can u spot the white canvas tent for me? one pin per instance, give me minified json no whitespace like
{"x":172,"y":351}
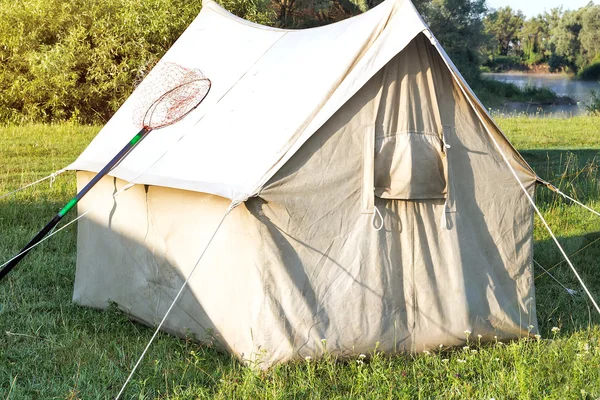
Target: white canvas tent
{"x":370,"y":197}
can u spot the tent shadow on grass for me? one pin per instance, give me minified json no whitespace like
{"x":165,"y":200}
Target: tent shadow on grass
{"x":555,"y":307}
{"x":43,"y":331}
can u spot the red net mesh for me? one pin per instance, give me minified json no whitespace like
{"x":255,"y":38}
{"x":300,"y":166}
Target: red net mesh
{"x":168,"y":94}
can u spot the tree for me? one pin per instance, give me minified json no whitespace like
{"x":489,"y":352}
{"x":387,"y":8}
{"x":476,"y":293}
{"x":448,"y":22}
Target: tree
{"x":590,"y":33}
{"x":504,"y":25}
{"x":565,"y":38}
{"x":458,"y":25}
{"x":534,"y":38}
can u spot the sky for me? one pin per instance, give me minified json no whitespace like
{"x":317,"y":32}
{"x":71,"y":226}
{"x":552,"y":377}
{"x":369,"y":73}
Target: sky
{"x":534,"y":7}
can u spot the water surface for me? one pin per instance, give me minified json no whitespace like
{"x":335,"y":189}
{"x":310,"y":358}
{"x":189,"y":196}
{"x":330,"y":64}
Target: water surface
{"x":561,"y":84}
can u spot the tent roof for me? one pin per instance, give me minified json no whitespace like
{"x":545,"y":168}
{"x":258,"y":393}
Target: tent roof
{"x":272,"y":89}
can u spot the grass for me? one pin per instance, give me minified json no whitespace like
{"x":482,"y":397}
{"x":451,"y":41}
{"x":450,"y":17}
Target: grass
{"x":51,"y":348}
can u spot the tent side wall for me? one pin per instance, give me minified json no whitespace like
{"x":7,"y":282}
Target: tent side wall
{"x":413,"y":284}
{"x":136,"y":250}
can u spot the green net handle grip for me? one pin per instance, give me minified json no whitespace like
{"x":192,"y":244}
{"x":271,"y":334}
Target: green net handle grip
{"x":73,"y":202}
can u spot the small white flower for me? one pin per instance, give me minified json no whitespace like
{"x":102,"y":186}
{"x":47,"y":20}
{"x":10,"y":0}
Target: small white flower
{"x":479,"y":337}
{"x":530,"y":327}
{"x":460,"y":360}
{"x":496,"y":359}
{"x":426,"y":352}
{"x":538,"y":337}
{"x":467,"y":332}
{"x":362,"y":356}
{"x":360,"y":362}
{"x":474,"y":351}
{"x":445,"y":360}
{"x":308,"y":358}
{"x":555,"y":329}
{"x":466,"y":348}
{"x":441,"y":346}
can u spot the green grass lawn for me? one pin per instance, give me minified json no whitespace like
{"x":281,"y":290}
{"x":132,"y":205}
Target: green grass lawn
{"x":51,"y":348}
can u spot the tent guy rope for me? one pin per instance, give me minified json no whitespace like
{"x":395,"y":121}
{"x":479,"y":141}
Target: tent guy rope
{"x":569,"y":291}
{"x":556,"y":190}
{"x":187,"y":279}
{"x":52,"y":177}
{"x":27,"y":249}
{"x":514,"y":173}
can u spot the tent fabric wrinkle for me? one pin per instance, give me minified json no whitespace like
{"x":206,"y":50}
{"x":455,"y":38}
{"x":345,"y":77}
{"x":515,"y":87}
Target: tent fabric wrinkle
{"x":372,"y":198}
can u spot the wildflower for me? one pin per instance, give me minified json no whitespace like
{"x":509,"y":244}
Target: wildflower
{"x":426,"y":352}
{"x":479,"y":337}
{"x":538,"y":337}
{"x":308,"y":358}
{"x":441,"y":346}
{"x":467,"y":333}
{"x":445,"y":360}
{"x":360,"y":362}
{"x":362,"y":356}
{"x":474,"y":351}
{"x":530,"y":328}
{"x":324,"y":342}
{"x":466,"y":348}
{"x":555,"y":329}
{"x":460,"y":360}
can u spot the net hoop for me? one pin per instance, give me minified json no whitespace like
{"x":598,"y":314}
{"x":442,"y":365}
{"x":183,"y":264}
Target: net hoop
{"x":168,"y":94}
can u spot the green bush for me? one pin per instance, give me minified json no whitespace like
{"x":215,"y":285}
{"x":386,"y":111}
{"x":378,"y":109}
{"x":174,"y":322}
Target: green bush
{"x":504,"y":63}
{"x":492,"y":91}
{"x":590,"y":73}
{"x":593,"y":107}
{"x":78,"y":60}
{"x":557,"y":63}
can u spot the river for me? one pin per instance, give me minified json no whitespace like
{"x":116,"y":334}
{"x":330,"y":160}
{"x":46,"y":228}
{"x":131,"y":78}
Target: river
{"x":560,"y":84}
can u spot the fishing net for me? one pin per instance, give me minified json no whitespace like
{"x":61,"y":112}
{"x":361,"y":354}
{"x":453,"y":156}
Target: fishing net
{"x":168,"y":94}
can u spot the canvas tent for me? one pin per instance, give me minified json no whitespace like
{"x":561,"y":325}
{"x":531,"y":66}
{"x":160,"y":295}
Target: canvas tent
{"x":368,"y":197}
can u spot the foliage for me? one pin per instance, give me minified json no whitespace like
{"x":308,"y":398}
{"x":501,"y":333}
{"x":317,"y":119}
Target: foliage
{"x":58,"y":63}
{"x":78,"y":60}
{"x":503,"y":63}
{"x":590,"y":32}
{"x":594,"y":106}
{"x":489,"y":90}
{"x":533,"y":39}
{"x":504,"y":25}
{"x":458,"y":25}
{"x":557,"y":63}
{"x":566,"y":40}
{"x":51,"y":348}
{"x":590,"y":73}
